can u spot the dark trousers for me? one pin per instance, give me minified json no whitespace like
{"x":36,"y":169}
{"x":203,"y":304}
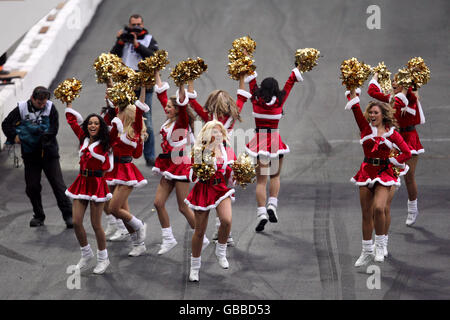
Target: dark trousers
{"x":52,"y":170}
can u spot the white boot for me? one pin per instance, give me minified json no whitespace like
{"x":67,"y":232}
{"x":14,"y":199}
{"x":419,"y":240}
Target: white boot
{"x":138,"y":247}
{"x":102,"y":262}
{"x":168,"y":241}
{"x":412,"y":213}
{"x":379,"y":251}
{"x":86,"y":257}
{"x":195,"y":268}
{"x":366,"y":253}
{"x":221,"y":254}
{"x":272,"y":209}
{"x":121,"y":233}
{"x":261,"y":219}
{"x":205,"y":242}
{"x":385,"y":245}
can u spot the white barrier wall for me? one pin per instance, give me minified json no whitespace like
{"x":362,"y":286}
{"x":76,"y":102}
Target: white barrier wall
{"x":42,"y":54}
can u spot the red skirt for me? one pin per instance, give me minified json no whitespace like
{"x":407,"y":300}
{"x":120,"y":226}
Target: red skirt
{"x":206,"y":196}
{"x":412,"y":140}
{"x":89,"y":188}
{"x":125,"y":174}
{"x":173,"y":171}
{"x":369,"y":174}
{"x":267,"y":144}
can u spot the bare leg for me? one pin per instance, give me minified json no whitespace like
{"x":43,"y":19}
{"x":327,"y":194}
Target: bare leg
{"x":118,"y":201}
{"x":366,"y":199}
{"x":78,"y":211}
{"x":225,"y":214}
{"x":410,"y":178}
{"x":381,"y":195}
{"x":96,"y":221}
{"x":201,"y":222}
{"x":182,"y":191}
{"x":274,"y":185}
{"x":163,"y":191}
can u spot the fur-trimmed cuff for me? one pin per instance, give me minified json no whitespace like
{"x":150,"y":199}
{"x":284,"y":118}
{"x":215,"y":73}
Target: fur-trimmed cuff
{"x":375,"y":82}
{"x":165,"y":86}
{"x":144,"y":107}
{"x":351,"y":103}
{"x":298,"y":75}
{"x":244,"y":93}
{"x":111,"y":161}
{"x":110,"y":103}
{"x":186,"y":98}
{"x":76,"y":114}
{"x":192,"y":95}
{"x":402,"y":97}
{"x":409,"y":110}
{"x":396,"y":163}
{"x":358,"y":92}
{"x":118,"y":123}
{"x":249,"y":78}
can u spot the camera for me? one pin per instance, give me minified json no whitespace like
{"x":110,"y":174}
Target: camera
{"x":127,"y":35}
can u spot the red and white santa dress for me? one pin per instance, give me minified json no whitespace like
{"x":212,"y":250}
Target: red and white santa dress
{"x":377,"y":165}
{"x":174,"y":161}
{"x":408,"y":112}
{"x":267,"y":140}
{"x":207,"y":195}
{"x":125,"y":149}
{"x":90,"y":183}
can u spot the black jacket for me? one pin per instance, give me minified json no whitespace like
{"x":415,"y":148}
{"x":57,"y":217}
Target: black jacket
{"x":48,"y":147}
{"x":142,"y":50}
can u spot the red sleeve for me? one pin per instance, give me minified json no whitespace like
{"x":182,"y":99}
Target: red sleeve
{"x":405,"y":151}
{"x":253,"y":86}
{"x":376,"y":93}
{"x":137,"y":152}
{"x":182,"y":119}
{"x":359,"y":116}
{"x":73,"y":117}
{"x":288,"y":85}
{"x":107,"y":164}
{"x":137,"y":124}
{"x":412,"y":99}
{"x":199,"y":110}
{"x":242,"y":97}
{"x":162,"y":97}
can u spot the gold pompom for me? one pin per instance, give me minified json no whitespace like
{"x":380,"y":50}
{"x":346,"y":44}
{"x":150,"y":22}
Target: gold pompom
{"x":121,"y":95}
{"x":394,"y":153}
{"x":203,"y":163}
{"x":240,"y":57}
{"x":354,"y":73}
{"x":244,"y":172}
{"x":189,"y":69}
{"x":404,"y":78}
{"x":150,"y":65}
{"x":241,"y":65}
{"x":384,"y":77}
{"x":106,"y":65}
{"x":244,"y":43}
{"x":68,"y":90}
{"x":306,"y":58}
{"x":420,"y":73}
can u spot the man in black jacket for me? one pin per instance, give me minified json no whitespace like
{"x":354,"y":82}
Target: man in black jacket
{"x":34,"y":125}
{"x":134,"y":44}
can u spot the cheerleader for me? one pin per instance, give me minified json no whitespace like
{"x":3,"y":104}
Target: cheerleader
{"x":90,"y":186}
{"x":376,"y":177}
{"x":222,"y":107}
{"x":127,"y":135}
{"x":409,"y":113}
{"x":267,"y":145}
{"x":212,"y":194}
{"x":173,"y":164}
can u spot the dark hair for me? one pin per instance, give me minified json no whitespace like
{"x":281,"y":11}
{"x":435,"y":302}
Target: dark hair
{"x":136,"y":16}
{"x":40,"y":93}
{"x":268,"y":89}
{"x":103,"y":132}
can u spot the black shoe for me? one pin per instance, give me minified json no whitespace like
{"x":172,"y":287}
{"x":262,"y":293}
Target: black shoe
{"x":69,"y":223}
{"x":35,"y":222}
{"x":150,"y":162}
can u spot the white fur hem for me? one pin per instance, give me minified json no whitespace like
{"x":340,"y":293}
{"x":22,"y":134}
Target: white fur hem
{"x":267,"y":153}
{"x":244,"y":93}
{"x":165,"y":86}
{"x":131,"y":183}
{"x":351,"y":103}
{"x":89,"y":198}
{"x":249,"y":78}
{"x":168,"y":175}
{"x":409,"y":110}
{"x":396,"y":163}
{"x":298,"y":75}
{"x":402,"y":97}
{"x":212,"y":206}
{"x":370,"y":183}
{"x":418,"y":151}
{"x":76,"y":114}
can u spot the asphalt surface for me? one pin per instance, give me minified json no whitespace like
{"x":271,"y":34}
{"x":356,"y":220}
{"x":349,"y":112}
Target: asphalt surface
{"x":310,"y":252}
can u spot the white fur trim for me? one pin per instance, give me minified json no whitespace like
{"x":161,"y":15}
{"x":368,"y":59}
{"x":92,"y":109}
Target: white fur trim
{"x":267,"y":153}
{"x":118,"y":123}
{"x":165,"y":86}
{"x":298,"y":75}
{"x":84,"y":146}
{"x":375,"y":134}
{"x":228,"y":123}
{"x":244,"y":93}
{"x":89,"y":198}
{"x":192,"y":95}
{"x":143,"y":106}
{"x":358,"y":91}
{"x":267,"y":116}
{"x":396,"y":163}
{"x":422,"y":116}
{"x":94,"y":154}
{"x":351,"y":103}
{"x":186,"y":98}
{"x":212,"y":206}
{"x":110,"y":103}
{"x":76,"y":114}
{"x":127,"y":141}
{"x":417,"y":151}
{"x":111,"y":162}
{"x":249,"y":78}
{"x":404,"y":171}
{"x":370,"y":182}
{"x":409,"y":110}
{"x":271,"y":102}
{"x":191,"y":174}
{"x":402,"y":97}
{"x":375,"y":82}
{"x":131,"y":183}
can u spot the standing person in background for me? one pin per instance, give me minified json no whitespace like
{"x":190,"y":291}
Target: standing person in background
{"x":34,"y":125}
{"x":134,"y":43}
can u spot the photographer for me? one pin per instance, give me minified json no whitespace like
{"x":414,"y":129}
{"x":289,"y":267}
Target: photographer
{"x":34,"y":125}
{"x":134,"y":44}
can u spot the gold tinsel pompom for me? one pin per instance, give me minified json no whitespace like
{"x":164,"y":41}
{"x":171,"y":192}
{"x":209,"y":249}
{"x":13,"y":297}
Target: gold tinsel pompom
{"x":354,"y":73}
{"x":189,"y":69}
{"x":241,"y":65}
{"x":244,"y":43}
{"x":384,"y":76}
{"x":68,"y":90}
{"x":203,"y":163}
{"x":150,"y":65}
{"x":240,"y":57}
{"x":106,"y":65}
{"x":244,"y":172}
{"x":394,"y":153}
{"x":306,"y":58}
{"x":420,"y":73}
{"x":121,"y":95}
{"x":404,"y":78}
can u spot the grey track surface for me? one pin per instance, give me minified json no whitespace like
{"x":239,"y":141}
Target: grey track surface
{"x":310,"y":253}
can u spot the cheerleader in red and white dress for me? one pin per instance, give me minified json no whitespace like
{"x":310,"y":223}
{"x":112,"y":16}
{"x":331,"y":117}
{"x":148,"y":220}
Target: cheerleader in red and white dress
{"x":212,"y":194}
{"x":408,"y":113}
{"x":173,"y":163}
{"x":376,"y":177}
{"x":127,"y":134}
{"x":90,"y":186}
{"x":222,"y":107}
{"x":266,"y":145}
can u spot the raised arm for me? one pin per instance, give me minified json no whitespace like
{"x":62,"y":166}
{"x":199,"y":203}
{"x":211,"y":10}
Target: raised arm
{"x":374,"y":90}
{"x":353,"y":104}
{"x":295,"y":76}
{"x":242,"y":94}
{"x":192,"y":95}
{"x":74,"y":119}
{"x":161,"y":90}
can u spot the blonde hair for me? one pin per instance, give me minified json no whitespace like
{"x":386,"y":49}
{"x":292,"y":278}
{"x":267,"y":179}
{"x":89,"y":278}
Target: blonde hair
{"x":386,"y":110}
{"x":220,"y":104}
{"x":190,"y":113}
{"x":130,"y":117}
{"x":205,"y":135}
